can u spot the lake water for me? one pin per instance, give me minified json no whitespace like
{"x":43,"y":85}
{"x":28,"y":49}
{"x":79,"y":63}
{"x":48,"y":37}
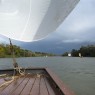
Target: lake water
{"x":77,"y":73}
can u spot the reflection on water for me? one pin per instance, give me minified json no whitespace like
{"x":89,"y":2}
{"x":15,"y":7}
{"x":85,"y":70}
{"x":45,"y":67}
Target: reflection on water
{"x":77,"y":73}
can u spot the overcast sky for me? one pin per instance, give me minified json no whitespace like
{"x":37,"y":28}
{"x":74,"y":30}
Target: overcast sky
{"x":79,"y":25}
{"x":78,"y":28}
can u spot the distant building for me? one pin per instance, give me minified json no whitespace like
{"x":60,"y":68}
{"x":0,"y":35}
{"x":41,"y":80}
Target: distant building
{"x":80,"y":55}
{"x":69,"y":54}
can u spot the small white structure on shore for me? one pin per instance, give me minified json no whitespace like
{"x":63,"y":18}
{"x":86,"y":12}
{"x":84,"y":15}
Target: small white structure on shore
{"x":69,"y":54}
{"x":80,"y":55}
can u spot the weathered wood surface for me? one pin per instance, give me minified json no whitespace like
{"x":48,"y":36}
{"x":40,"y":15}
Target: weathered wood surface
{"x":38,"y":81}
{"x":27,"y":85}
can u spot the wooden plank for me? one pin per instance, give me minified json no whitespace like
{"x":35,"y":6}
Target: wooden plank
{"x":20,"y":87}
{"x":1,"y":82}
{"x":36,"y":87}
{"x":43,"y":88}
{"x":28,"y":87}
{"x":11,"y":87}
{"x":50,"y":89}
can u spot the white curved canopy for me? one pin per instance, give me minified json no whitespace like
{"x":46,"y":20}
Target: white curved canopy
{"x":29,"y":20}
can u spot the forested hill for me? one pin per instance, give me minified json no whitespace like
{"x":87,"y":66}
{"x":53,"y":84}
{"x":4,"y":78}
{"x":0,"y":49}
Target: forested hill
{"x":86,"y":51}
{"x":19,"y":52}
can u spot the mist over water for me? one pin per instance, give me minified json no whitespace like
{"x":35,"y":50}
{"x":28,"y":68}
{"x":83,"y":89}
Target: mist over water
{"x":77,"y":73}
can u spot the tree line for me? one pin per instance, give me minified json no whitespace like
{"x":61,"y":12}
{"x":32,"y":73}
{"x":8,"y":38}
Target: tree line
{"x":5,"y":51}
{"x":85,"y":51}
